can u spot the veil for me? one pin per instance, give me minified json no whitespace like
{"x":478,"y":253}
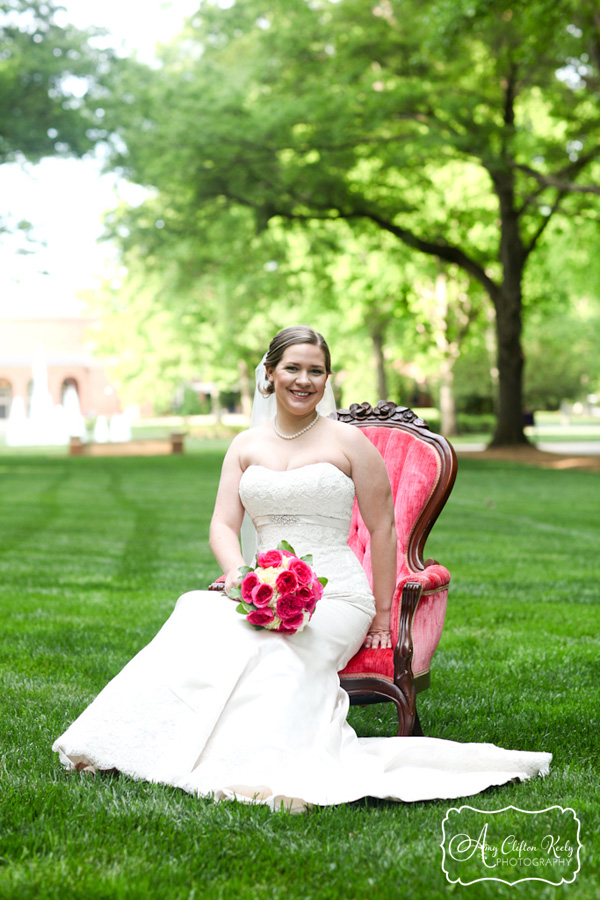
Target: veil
{"x":264,"y":409}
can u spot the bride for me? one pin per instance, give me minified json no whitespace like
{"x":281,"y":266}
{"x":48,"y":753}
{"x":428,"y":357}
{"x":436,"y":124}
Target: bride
{"x":220,"y":709}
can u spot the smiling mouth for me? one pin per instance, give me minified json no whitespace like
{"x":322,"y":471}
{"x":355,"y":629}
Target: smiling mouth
{"x":301,"y":394}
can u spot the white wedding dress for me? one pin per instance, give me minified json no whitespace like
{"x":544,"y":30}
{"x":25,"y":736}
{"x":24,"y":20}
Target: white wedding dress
{"x":220,"y":709}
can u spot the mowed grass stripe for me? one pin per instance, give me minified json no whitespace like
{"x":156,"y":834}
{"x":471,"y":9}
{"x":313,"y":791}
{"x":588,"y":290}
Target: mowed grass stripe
{"x":93,"y":554}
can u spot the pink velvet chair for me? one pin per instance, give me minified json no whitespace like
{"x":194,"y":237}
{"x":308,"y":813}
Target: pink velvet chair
{"x":422,"y":470}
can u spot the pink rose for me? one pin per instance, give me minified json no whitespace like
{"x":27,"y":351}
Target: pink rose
{"x":310,"y":595}
{"x":307,"y":596}
{"x":292,"y":624}
{"x":302,"y":571}
{"x":260,"y":617}
{"x":286,"y":582}
{"x":262,"y":595}
{"x":269,"y":560}
{"x":249,"y":582}
{"x":289,"y":606}
{"x":309,"y":605}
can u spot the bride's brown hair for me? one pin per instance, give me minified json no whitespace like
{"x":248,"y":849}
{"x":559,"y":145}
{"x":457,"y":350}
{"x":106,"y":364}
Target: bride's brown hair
{"x":296,"y":334}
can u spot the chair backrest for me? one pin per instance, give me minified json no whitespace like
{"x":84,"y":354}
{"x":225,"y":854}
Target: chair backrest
{"x":422,"y":469}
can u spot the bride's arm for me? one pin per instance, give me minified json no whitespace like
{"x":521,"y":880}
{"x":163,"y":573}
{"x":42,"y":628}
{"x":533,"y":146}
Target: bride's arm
{"x":227,"y":518}
{"x":374,"y":497}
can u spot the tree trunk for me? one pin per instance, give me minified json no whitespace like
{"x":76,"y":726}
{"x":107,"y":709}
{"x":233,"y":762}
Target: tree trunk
{"x":508,"y":301}
{"x":491,"y":346}
{"x":448,"y":355}
{"x":215,"y":405}
{"x":245,"y":394}
{"x":509,"y":422}
{"x":447,"y":402}
{"x":377,"y":336}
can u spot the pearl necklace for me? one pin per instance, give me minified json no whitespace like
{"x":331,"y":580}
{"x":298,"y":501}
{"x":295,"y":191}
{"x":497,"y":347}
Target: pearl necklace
{"x":290,"y":437}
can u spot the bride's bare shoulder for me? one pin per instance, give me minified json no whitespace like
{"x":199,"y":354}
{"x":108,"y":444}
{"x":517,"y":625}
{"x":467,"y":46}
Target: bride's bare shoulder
{"x":356,"y":446}
{"x":243,"y":444}
{"x":348,"y":435}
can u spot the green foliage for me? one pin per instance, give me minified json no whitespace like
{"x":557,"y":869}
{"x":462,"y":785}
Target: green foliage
{"x":479,"y":424}
{"x":563,"y":323}
{"x":191,"y":404}
{"x":457,"y":131}
{"x":93,"y":554}
{"x":49,"y":83}
{"x":563,"y":356}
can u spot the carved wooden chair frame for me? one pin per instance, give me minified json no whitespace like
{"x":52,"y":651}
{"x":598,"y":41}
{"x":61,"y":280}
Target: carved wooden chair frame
{"x":402,"y":690}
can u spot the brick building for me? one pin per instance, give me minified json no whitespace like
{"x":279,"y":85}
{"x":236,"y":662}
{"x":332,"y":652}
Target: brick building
{"x":65,"y":340}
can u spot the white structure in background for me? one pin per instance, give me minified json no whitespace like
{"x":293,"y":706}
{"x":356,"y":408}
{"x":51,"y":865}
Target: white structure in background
{"x":47,"y":424}
{"x":75,"y":422}
{"x":17,"y":431}
{"x":42,"y":425}
{"x":120,"y":428}
{"x":101,"y":432}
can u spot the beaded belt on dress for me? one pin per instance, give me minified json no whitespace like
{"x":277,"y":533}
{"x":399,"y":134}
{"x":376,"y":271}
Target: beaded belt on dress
{"x":326,"y":521}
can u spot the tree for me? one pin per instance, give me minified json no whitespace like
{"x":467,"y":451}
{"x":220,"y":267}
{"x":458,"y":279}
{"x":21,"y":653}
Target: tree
{"x":50,"y":84}
{"x":451,"y":307}
{"x":430,"y":121}
{"x":217,"y":291}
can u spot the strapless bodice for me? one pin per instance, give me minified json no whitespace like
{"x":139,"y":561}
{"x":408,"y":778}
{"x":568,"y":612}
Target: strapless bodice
{"x":311,"y":508}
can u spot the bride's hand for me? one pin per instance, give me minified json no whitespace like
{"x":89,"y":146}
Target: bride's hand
{"x":233,"y":579}
{"x":379,"y":636}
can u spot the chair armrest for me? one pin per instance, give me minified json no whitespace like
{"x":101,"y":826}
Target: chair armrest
{"x":433,"y":578}
{"x":418,"y":611}
{"x":218,"y":585}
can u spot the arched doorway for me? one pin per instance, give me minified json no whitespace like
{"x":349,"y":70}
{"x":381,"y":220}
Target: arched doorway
{"x":68,"y":383}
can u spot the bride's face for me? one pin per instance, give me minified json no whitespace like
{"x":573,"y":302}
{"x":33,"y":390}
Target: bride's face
{"x":299,"y":378}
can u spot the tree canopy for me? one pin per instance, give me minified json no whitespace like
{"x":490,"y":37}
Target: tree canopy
{"x":458,"y":129}
{"x":49,"y":72}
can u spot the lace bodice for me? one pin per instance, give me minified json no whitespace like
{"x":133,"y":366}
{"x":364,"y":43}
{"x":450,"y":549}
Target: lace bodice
{"x":311,"y":508}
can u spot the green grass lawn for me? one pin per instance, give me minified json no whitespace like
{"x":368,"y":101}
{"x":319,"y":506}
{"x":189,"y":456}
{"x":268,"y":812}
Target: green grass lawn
{"x":93,"y":554}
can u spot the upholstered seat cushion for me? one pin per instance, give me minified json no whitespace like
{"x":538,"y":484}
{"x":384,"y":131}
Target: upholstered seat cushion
{"x":378,"y":663}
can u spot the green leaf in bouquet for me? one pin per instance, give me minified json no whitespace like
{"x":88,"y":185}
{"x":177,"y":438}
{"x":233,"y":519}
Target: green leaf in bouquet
{"x":234,"y":593}
{"x":244,"y":608}
{"x":323,"y":580}
{"x":283,"y":545}
{"x":243,"y":570}
{"x":308,"y":559}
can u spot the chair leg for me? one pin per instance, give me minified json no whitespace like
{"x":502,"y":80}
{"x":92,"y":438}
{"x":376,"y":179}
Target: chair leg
{"x":400,"y":712}
{"x":405,"y":716}
{"x":403,"y":731}
{"x":417,"y":730}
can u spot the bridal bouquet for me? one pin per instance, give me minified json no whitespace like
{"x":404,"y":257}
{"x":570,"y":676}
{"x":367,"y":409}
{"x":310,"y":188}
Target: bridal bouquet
{"x":280,"y":593}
